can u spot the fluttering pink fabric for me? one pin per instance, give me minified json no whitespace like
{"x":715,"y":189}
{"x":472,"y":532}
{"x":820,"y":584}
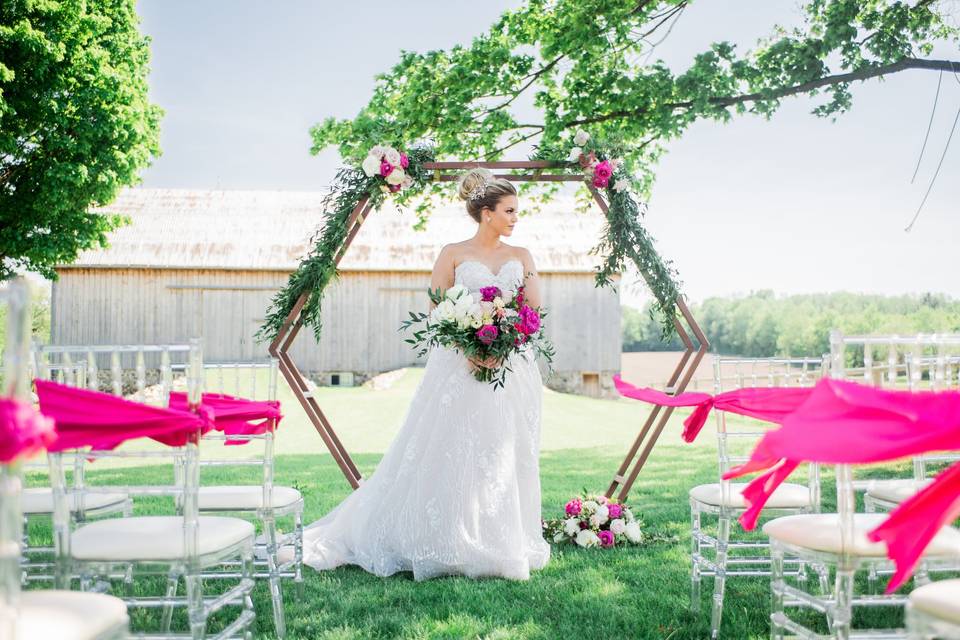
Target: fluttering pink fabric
{"x":87,"y":418}
{"x":23,"y":430}
{"x":769,"y":404}
{"x":233,"y":415}
{"x":848,"y":423}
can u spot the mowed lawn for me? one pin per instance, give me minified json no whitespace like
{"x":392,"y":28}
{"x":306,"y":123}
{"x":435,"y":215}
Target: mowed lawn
{"x":635,"y":592}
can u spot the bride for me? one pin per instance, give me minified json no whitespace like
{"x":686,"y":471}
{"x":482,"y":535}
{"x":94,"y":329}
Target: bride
{"x":458,"y":490}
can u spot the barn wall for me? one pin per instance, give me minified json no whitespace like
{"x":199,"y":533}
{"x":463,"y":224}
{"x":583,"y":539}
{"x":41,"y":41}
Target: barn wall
{"x":111,"y":306}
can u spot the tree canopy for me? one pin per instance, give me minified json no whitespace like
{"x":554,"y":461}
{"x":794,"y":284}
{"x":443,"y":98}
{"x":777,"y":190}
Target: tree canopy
{"x":75,"y":125}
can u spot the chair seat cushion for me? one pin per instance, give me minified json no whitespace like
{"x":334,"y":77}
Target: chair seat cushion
{"x":896,"y":491}
{"x":69,"y":615}
{"x":821,"y":532}
{"x":786,"y":496}
{"x":940,"y":600}
{"x":225,"y":498}
{"x":39,"y":500}
{"x":153,"y":537}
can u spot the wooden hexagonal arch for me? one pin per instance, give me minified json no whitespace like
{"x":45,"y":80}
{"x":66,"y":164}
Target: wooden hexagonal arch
{"x":694,"y":348}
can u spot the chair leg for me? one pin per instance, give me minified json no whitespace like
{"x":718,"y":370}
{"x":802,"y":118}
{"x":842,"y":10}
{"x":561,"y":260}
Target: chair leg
{"x":719,"y":583}
{"x":195,"y":612}
{"x":298,"y":554}
{"x":248,"y":573}
{"x":270,"y":529}
{"x":869,"y":506}
{"x":172,"y":580}
{"x":694,"y":558}
{"x":842,"y":610}
{"x":776,"y":591}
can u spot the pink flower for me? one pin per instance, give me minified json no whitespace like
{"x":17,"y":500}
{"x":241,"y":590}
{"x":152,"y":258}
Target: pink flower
{"x":519,"y":340}
{"x":487,"y":334}
{"x":385,"y":168}
{"x":404,"y":160}
{"x":603,"y":500}
{"x":394,"y":187}
{"x":529,"y":320}
{"x":573,"y":507}
{"x":614,"y":510}
{"x":587,"y":160}
{"x":600,"y":183}
{"x":606,"y":538}
{"x":489,"y":293}
{"x":603,"y":170}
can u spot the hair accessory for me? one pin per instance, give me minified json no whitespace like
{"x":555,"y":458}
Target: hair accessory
{"x":479,"y":190}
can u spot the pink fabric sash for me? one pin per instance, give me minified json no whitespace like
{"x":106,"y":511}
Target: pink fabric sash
{"x":770,"y":404}
{"x":23,"y":430}
{"x":233,"y":415}
{"x":98,"y":420}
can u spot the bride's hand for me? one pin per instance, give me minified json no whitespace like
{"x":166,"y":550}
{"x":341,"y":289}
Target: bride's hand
{"x":490,"y":362}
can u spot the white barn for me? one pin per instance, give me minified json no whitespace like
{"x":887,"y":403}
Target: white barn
{"x":206,"y":263}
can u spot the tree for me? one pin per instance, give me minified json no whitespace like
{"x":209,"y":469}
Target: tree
{"x":582,"y":64}
{"x":75,"y":125}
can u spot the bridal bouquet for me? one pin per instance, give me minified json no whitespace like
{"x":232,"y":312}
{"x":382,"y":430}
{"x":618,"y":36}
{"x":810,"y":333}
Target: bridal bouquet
{"x":494,"y":326}
{"x":595,"y":521}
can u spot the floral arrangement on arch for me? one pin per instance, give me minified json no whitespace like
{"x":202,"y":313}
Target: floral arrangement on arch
{"x":599,"y":172}
{"x":390,"y":165}
{"x":595,"y":521}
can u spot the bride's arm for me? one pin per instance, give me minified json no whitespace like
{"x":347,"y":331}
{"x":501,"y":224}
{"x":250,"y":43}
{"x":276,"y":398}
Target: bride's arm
{"x":442,"y":275}
{"x":531,"y":280}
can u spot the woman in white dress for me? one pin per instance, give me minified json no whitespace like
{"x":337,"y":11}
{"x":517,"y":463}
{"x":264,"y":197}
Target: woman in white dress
{"x":458,"y":490}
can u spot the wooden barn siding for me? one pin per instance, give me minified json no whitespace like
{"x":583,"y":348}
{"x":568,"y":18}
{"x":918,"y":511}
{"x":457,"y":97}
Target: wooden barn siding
{"x":131,"y":306}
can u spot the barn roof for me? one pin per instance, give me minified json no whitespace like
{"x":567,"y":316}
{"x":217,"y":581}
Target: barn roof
{"x":270,"y":230}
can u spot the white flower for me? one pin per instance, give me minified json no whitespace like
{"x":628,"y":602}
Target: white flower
{"x":487,"y":307}
{"x":377,"y":151}
{"x":444,"y":311}
{"x":590,"y":506}
{"x":393,"y":156}
{"x":385,"y":188}
{"x":509,"y":313}
{"x":628,"y":515}
{"x":587,"y":538}
{"x":595,"y":520}
{"x":396,"y":176}
{"x":617,"y":526}
{"x":559,"y":536}
{"x":633,"y":532}
{"x":371,"y":166}
{"x":603,"y":512}
{"x":581,"y":138}
{"x":574,"y":154}
{"x":621,"y":185}
{"x":407,"y":182}
{"x":455,"y":292}
{"x":498,"y":302}
{"x":571,"y":526}
{"x":507,"y":297}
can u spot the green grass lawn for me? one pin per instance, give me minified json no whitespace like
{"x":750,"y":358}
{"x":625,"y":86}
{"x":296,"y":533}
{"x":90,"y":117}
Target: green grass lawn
{"x":638,"y":592}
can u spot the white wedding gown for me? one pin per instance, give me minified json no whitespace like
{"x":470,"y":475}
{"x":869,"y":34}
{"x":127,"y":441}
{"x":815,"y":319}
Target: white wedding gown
{"x":458,"y":490}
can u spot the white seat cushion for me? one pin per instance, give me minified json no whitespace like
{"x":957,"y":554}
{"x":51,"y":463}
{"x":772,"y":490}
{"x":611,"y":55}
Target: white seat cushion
{"x":225,"y":498}
{"x":69,"y":615}
{"x":940,"y":600}
{"x":896,"y":491}
{"x":153,"y":537}
{"x":821,"y":532}
{"x":786,"y":496}
{"x":40,"y":500}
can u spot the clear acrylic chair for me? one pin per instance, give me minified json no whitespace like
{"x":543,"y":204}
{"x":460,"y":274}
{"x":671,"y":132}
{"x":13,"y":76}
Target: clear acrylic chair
{"x":726,"y":555}
{"x":34,"y":615}
{"x":267,"y":501}
{"x":933,"y":612}
{"x":839,"y":540}
{"x":182,"y":545}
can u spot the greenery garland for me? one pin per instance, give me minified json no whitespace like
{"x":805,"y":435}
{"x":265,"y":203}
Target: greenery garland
{"x":624,"y":236}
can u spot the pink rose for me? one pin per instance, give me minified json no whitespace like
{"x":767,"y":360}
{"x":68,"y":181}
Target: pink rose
{"x":600,"y":183}
{"x":614,"y":510}
{"x":487,"y":334}
{"x":573,"y":507}
{"x":404,"y":160}
{"x":606,"y":538}
{"x":385,"y":168}
{"x":603,"y":170}
{"x":489,"y":293}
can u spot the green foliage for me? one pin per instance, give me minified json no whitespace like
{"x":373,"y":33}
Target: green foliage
{"x":764,"y":325}
{"x":75,"y":125}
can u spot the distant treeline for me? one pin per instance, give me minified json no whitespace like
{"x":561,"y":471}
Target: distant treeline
{"x":763,"y":324}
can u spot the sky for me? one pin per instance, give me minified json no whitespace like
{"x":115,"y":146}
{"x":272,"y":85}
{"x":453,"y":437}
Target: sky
{"x":796,"y":204}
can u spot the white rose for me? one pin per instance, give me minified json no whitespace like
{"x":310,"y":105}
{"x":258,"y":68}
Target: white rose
{"x":617,"y":526}
{"x":603,"y":512}
{"x":581,"y":138}
{"x":575,"y":154}
{"x":595,"y":521}
{"x":587,"y":538}
{"x":445,"y":311}
{"x":571,"y":526}
{"x":621,"y":185}
{"x":396,"y":176}
{"x":377,"y":151}
{"x":455,"y":292}
{"x":371,"y":166}
{"x":633,"y":532}
{"x":507,"y":297}
{"x":393,"y":156}
{"x":590,"y":506}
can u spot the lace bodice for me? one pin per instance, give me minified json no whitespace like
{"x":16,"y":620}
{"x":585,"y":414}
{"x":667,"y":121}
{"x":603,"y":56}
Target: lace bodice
{"x":474,"y":274}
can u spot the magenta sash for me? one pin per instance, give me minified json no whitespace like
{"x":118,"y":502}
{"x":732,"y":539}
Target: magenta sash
{"x":235,"y":416}
{"x":770,"y":404}
{"x":23,"y":430}
{"x":98,"y":420}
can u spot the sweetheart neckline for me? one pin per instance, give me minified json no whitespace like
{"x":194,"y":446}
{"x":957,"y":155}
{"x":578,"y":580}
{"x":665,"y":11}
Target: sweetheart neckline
{"x":495,"y":274}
